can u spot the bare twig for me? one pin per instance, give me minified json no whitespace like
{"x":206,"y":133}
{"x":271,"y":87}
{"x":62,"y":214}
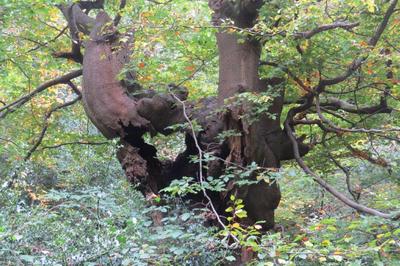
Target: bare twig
{"x":335,"y":114}
{"x":364,"y":155}
{"x":74,"y":143}
{"x":46,"y":125}
{"x":355,"y":195}
{"x":290,"y":74}
{"x":50,"y":41}
{"x":160,"y":2}
{"x":10,"y":141}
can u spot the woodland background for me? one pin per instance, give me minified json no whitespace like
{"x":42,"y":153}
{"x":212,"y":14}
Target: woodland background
{"x":64,"y":199}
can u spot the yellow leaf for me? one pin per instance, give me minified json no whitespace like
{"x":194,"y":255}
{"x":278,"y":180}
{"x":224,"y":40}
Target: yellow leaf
{"x":54,"y":14}
{"x":370,"y":5}
{"x":305,"y":44}
{"x":236,"y":225}
{"x":326,"y":243}
{"x":146,"y":14}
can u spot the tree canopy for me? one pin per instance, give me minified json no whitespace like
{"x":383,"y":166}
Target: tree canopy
{"x":250,"y":108}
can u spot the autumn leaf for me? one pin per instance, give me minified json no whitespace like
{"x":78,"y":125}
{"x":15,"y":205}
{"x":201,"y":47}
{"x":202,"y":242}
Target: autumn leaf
{"x":190,"y":68}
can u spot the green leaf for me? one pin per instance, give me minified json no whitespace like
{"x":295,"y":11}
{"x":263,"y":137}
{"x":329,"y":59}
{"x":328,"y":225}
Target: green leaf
{"x":229,"y":209}
{"x":122,"y":240}
{"x":186,"y":216}
{"x":27,"y":258}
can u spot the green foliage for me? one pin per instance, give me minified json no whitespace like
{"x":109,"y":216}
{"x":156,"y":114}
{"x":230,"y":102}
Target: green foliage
{"x":70,"y":205}
{"x":182,"y":187}
{"x":95,"y":220}
{"x":246,"y":236}
{"x":336,"y":242}
{"x":260,"y":104}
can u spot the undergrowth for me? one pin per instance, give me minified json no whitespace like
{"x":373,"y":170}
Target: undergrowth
{"x":87,"y":214}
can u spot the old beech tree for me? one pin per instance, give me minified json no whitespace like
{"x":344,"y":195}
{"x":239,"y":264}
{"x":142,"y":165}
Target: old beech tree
{"x":123,"y":109}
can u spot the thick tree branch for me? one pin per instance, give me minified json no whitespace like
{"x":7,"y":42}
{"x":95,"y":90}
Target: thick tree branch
{"x":118,"y":17}
{"x":4,"y":110}
{"x":78,"y":21}
{"x":89,"y":5}
{"x":335,"y":104}
{"x":326,"y":27}
{"x":338,"y":116}
{"x":382,"y":26}
{"x":359,"y":61}
{"x":74,"y":88}
{"x":340,"y":78}
{"x":340,"y":129}
{"x":328,"y":187}
{"x":75,"y":55}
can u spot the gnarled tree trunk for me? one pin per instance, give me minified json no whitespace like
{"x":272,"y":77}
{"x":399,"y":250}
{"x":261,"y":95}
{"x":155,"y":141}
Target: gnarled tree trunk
{"x":118,"y":114}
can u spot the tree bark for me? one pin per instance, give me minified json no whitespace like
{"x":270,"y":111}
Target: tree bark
{"x":257,"y":142}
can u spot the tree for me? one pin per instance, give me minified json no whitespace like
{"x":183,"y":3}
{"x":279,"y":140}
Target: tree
{"x":273,"y":80}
